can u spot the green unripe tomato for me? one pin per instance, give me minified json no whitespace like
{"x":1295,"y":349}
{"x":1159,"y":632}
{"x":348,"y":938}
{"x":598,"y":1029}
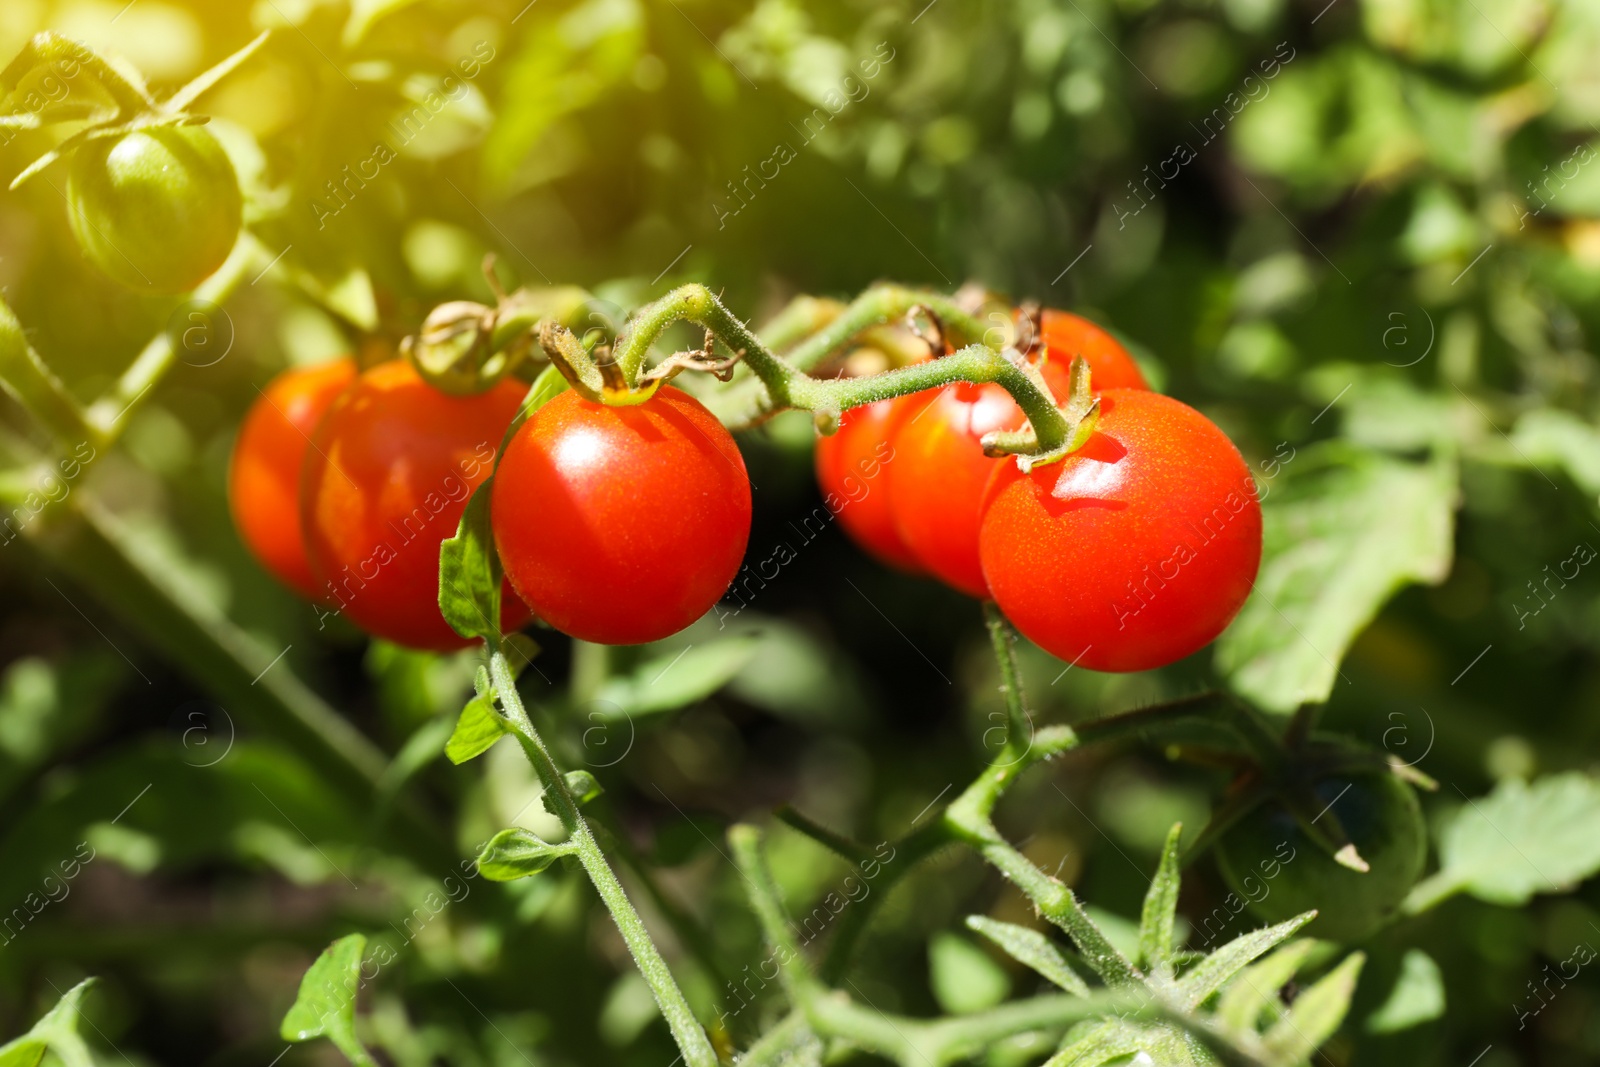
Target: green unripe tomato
{"x":1270,"y":863}
{"x":158,"y":210}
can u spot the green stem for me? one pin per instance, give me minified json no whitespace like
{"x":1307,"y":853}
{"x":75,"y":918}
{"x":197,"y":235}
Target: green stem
{"x":1001,"y":640}
{"x":853,"y":922}
{"x":686,"y":1029}
{"x":109,"y":415}
{"x":878,"y":306}
{"x":789,"y":386}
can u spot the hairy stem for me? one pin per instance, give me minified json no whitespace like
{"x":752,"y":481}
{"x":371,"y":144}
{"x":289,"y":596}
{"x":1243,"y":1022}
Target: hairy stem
{"x":1019,"y":730}
{"x":686,"y":1029}
{"x":787,"y":385}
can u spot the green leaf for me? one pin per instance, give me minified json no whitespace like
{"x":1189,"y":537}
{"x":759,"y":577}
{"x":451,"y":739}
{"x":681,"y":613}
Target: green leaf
{"x":1518,"y":841}
{"x":583,"y":786}
{"x":517,"y":853}
{"x":1316,"y":1014}
{"x":1161,"y":908}
{"x":326,"y":1003}
{"x":1417,"y":996}
{"x":964,"y":978}
{"x":1339,"y":541}
{"x":1255,"y":989}
{"x":674,"y":680}
{"x":56,"y":1031}
{"x":1213,"y":972}
{"x":469,"y":572}
{"x":1549,"y":435}
{"x":476,"y":731}
{"x":1033,"y":949}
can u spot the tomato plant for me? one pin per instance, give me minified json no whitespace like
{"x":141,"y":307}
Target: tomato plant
{"x":1135,"y":550}
{"x":621,"y":525}
{"x":1270,"y":861}
{"x":388,"y":475}
{"x":268,"y":457}
{"x":649,"y":238}
{"x":157,"y":209}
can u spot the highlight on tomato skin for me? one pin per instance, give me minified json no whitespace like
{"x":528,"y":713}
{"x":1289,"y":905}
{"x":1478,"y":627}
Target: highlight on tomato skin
{"x":621,"y":525}
{"x":1111,"y":366}
{"x":852,"y":472}
{"x":264,"y":470}
{"x":392,"y":466}
{"x":1132,"y":552}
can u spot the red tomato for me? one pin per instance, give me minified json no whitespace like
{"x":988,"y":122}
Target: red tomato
{"x":1132,"y":552}
{"x":1110,"y":366}
{"x":621,"y":525}
{"x":852,"y":472}
{"x":264,"y":474}
{"x":393,"y":464}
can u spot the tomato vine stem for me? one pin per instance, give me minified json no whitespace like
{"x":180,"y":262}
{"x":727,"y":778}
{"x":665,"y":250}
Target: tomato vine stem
{"x":686,"y":1029}
{"x":789,"y":386}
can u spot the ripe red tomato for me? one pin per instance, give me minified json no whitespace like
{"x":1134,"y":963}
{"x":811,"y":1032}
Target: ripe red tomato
{"x":1110,"y":366}
{"x":264,"y":474}
{"x":621,"y":525}
{"x":1135,"y":550}
{"x":391,"y":468}
{"x":852,"y":473}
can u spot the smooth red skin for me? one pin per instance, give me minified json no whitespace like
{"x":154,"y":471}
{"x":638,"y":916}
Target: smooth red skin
{"x":621,"y":525}
{"x":852,"y":471}
{"x":1110,"y":366}
{"x":264,"y":473}
{"x":393,"y":464}
{"x":1066,"y":547}
{"x":937,"y":482}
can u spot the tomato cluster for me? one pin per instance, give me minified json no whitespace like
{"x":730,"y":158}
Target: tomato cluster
{"x":1134,"y":551}
{"x":615,"y":524}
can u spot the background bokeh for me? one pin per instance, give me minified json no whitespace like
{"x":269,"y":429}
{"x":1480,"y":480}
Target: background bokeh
{"x":1363,"y":237}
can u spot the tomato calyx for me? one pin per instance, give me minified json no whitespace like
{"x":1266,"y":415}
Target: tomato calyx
{"x":596,"y":375}
{"x":125,"y":105}
{"x":1080,"y":411}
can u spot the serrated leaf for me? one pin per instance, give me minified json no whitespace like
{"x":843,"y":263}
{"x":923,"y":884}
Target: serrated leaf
{"x":1316,"y":1014}
{"x":476,"y":731}
{"x":583,"y":786}
{"x":674,"y":680}
{"x":1417,"y":996}
{"x":469,"y":572}
{"x":1338,"y":542}
{"x":1161,"y":908}
{"x":56,"y":1031}
{"x":326,"y":1003}
{"x":517,"y":853}
{"x":1033,"y":949}
{"x":1213,"y":972}
{"x":1256,"y":988}
{"x":1518,"y":841}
